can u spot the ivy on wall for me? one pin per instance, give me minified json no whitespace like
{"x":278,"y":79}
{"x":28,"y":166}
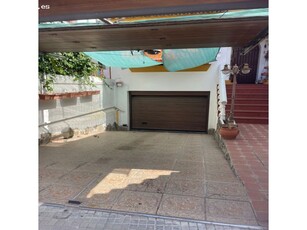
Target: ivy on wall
{"x":75,"y":64}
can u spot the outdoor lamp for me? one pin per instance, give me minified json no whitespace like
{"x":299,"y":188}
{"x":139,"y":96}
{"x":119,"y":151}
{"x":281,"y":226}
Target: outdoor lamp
{"x":226,"y":70}
{"x":245,"y":69}
{"x":235,"y":70}
{"x":119,"y":83}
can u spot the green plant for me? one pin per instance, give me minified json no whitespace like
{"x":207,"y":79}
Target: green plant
{"x":75,"y":64}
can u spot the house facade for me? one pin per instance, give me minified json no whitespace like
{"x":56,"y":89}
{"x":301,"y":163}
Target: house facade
{"x":145,"y":98}
{"x":140,"y":93}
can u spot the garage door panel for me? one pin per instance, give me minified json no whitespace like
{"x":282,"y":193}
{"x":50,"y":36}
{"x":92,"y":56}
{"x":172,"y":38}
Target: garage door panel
{"x":169,"y":112}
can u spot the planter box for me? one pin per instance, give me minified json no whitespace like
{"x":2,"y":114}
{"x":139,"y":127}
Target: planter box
{"x":55,"y":96}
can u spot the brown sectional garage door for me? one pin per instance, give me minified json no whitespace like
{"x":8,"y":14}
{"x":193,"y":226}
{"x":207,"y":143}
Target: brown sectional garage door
{"x":182,"y":111}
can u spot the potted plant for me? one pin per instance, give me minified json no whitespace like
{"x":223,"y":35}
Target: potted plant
{"x":229,"y":129}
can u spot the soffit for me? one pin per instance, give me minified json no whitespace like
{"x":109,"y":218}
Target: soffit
{"x":237,"y":32}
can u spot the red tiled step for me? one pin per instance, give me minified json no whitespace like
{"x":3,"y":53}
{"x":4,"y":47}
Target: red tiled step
{"x":258,"y":101}
{"x":249,"y":113}
{"x":260,"y":107}
{"x":252,"y":120}
{"x":251,"y":105}
{"x":248,"y":89}
{"x":248,"y":95}
{"x":250,"y":86}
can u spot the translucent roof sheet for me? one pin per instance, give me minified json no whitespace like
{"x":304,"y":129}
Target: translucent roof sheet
{"x":123,"y":59}
{"x":172,"y":59}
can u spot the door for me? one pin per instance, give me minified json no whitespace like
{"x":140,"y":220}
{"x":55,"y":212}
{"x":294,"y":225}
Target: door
{"x":180,"y":111}
{"x":251,"y":58}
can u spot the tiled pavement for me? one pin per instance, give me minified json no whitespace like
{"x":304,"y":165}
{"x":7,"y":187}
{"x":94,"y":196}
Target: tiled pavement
{"x":249,"y":158}
{"x":59,"y":217}
{"x":156,"y":173}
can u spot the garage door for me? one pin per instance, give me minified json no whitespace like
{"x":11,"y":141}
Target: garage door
{"x":182,"y":111}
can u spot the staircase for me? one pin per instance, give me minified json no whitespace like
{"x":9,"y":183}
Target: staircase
{"x":251,"y":104}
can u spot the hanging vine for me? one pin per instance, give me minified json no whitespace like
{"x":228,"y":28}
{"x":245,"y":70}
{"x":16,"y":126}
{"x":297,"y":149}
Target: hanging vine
{"x":75,"y":64}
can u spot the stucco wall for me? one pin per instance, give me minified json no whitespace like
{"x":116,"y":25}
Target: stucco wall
{"x":263,"y":48}
{"x":169,"y":81}
{"x":55,"y":110}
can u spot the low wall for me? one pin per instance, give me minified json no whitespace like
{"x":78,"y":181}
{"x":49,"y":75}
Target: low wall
{"x":82,"y":114}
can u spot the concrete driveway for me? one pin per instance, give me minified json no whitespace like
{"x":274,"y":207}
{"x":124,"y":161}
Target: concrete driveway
{"x":160,"y":173}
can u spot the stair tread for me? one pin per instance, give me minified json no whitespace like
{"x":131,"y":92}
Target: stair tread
{"x":247,"y":110}
{"x":252,"y":99}
{"x":248,"y":93}
{"x":250,"y":104}
{"x":255,"y":118}
{"x":250,"y":85}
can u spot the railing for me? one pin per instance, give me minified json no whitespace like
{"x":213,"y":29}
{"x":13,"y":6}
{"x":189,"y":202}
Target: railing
{"x":222,"y":98}
{"x":81,"y":115}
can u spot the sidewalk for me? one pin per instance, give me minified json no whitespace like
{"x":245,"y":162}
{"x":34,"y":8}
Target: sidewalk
{"x":61,"y":217}
{"x":248,"y":155}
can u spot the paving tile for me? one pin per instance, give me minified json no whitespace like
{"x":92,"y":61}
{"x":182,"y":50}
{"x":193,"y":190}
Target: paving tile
{"x":149,"y":173}
{"x":147,"y":185}
{"x":77,"y":178}
{"x":228,"y":211}
{"x":218,"y":168}
{"x":184,"y":165}
{"x":262,"y":216}
{"x":189,"y":173}
{"x":51,"y":175}
{"x":221,"y":177}
{"x":138,"y":202}
{"x":157,"y":163}
{"x":106,"y":184}
{"x":66,"y":165}
{"x":264,"y":185}
{"x":98,"y":200}
{"x":93,"y":167}
{"x":221,"y":163}
{"x":185,"y":187}
{"x":191,"y":157}
{"x":58,"y":193}
{"x":182,"y":206}
{"x":42,"y":186}
{"x":261,"y":205}
{"x":222,"y":190}
{"x":256,"y":195}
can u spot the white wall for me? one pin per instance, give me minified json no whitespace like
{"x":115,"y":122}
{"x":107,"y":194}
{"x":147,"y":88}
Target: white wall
{"x":108,"y":100}
{"x":263,"y":48}
{"x":55,"y":110}
{"x":169,"y":81}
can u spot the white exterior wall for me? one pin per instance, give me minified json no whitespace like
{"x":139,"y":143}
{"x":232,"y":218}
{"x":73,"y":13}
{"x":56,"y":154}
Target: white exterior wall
{"x":169,"y":81}
{"x":263,"y":48}
{"x":108,"y":100}
{"x":55,"y":110}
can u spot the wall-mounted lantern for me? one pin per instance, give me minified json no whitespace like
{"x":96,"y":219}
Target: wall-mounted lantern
{"x":119,"y":83}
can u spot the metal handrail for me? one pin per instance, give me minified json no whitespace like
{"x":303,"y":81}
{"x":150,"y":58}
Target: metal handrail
{"x":80,"y":115}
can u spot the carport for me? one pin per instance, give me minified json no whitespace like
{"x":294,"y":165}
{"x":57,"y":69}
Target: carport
{"x":159,"y":173}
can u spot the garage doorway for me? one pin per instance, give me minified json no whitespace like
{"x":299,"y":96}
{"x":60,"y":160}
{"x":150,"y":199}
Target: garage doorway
{"x":171,"y":111}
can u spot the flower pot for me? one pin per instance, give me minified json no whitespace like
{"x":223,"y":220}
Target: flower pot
{"x":229,"y":133}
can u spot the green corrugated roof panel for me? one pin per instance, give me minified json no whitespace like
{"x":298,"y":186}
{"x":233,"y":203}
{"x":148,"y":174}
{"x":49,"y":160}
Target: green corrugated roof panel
{"x":123,"y":59}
